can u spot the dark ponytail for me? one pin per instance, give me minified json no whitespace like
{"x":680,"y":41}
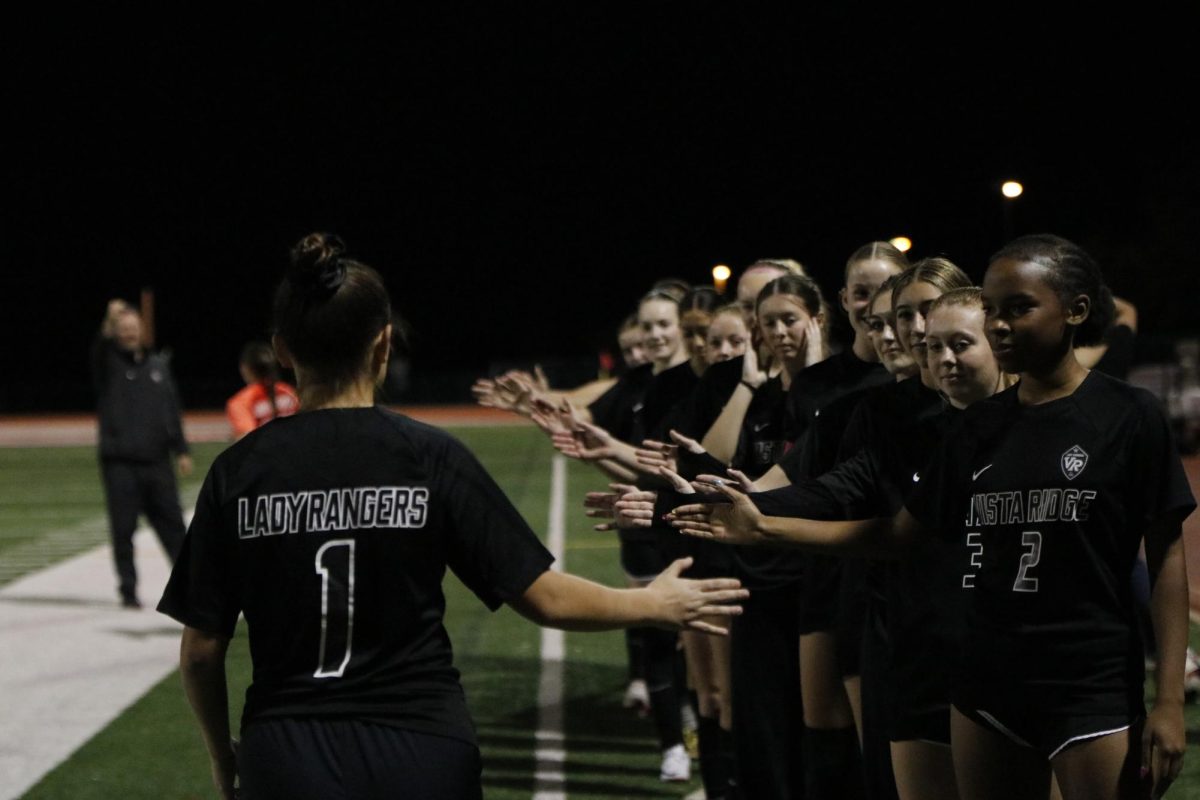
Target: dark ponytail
{"x":1070,"y":271}
{"x":329,"y":309}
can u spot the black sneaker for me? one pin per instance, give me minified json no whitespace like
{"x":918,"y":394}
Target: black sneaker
{"x":130,"y":601}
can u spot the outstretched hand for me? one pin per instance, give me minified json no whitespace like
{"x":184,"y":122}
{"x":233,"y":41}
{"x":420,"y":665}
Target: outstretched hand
{"x":507,"y":393}
{"x":735,"y":522}
{"x":584,"y":441}
{"x":684,"y":603}
{"x":708,"y":483}
{"x":685,"y":443}
{"x":652,"y":455}
{"x":627,"y":507}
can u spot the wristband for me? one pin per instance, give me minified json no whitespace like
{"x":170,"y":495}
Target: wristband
{"x":749,"y":386}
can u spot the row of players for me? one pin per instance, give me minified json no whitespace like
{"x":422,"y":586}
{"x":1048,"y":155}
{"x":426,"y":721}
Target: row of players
{"x":963,"y":632}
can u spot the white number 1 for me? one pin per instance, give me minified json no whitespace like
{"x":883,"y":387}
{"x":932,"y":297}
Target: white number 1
{"x":1029,"y":560}
{"x":337,"y":607}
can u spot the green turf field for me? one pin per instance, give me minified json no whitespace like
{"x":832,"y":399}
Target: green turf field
{"x":154,"y":751}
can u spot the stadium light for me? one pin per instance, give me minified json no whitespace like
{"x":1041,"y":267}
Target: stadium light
{"x":901,"y":243}
{"x":720,"y":275}
{"x":1012,"y":189}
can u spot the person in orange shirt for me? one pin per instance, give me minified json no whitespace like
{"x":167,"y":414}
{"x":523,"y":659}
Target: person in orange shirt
{"x":265,"y":396}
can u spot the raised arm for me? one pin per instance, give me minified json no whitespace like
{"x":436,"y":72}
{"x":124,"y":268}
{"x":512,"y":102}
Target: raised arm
{"x":722,"y":438}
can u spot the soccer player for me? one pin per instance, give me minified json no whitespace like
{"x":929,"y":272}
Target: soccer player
{"x":331,"y":531}
{"x":1049,"y":487}
{"x":265,"y":397}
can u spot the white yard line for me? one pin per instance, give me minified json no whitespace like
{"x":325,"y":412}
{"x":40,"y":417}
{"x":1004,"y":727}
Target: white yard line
{"x":71,"y":659}
{"x":550,"y":757}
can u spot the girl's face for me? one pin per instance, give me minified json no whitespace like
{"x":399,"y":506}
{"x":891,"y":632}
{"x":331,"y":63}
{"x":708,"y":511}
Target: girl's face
{"x":959,"y":354}
{"x":727,"y":338}
{"x":862,"y":279}
{"x":1028,"y":326}
{"x":630,"y":341}
{"x":911,"y":307}
{"x":694,"y":330}
{"x":659,"y":320}
{"x":881,"y":330}
{"x":782,"y":319}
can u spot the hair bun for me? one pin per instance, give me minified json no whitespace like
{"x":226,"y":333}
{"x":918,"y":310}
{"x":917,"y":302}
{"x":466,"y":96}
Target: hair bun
{"x":318,"y":267}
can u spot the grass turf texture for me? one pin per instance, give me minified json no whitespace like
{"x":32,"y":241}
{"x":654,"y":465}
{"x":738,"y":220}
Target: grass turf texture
{"x":153,"y":749}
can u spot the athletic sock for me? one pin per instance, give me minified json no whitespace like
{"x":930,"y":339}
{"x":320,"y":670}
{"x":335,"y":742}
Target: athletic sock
{"x":728,"y":755}
{"x":831,"y":763}
{"x":660,"y":680}
{"x":635,"y":648}
{"x":714,"y":766}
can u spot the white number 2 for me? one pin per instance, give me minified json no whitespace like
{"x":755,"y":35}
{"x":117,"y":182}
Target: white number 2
{"x":1029,"y":560}
{"x":337,"y":606}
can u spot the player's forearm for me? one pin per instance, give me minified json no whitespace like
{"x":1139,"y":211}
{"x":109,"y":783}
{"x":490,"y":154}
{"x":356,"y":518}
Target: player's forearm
{"x":583,"y":396}
{"x":1169,"y":615}
{"x":624,"y":455}
{"x":202,"y":667}
{"x":774,"y":478}
{"x":616,"y":470}
{"x":722,"y":438}
{"x":568,"y":602}
{"x":872,"y":538}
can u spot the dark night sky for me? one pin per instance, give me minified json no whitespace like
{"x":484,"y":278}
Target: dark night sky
{"x":521,"y":174}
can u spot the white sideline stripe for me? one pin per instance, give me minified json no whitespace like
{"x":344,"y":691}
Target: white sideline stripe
{"x":71,"y":660}
{"x":550,"y":756}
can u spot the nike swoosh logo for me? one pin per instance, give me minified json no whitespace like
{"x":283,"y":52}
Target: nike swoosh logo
{"x":975,"y":475}
{"x":758,"y":428}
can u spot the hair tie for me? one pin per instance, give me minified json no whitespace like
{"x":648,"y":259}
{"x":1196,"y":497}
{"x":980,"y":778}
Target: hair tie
{"x":323,"y":281}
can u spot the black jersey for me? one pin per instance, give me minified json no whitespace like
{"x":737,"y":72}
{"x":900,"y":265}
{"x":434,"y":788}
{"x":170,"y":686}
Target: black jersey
{"x":666,"y":393}
{"x":700,"y":410}
{"x":138,"y":408}
{"x":763,"y":440}
{"x":614,"y":410}
{"x":331,"y":532}
{"x":1050,"y":502}
{"x":761,"y":443}
{"x":887,"y":431}
{"x":839,"y":375}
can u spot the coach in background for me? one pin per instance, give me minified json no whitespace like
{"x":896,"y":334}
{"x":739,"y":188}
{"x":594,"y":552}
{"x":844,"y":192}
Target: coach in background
{"x":140,"y":429}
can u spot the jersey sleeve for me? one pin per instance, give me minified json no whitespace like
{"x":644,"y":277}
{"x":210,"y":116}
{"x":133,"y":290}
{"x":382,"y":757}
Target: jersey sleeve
{"x":809,"y":499}
{"x":938,"y":487}
{"x":202,"y":590}
{"x":1161,"y":490}
{"x":491,"y":548}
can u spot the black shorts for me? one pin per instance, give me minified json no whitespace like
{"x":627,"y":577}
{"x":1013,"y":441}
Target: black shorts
{"x":709,"y":559}
{"x":853,"y":601}
{"x":642,"y":559}
{"x":1048,"y":734}
{"x":819,"y":594}
{"x":331,"y":758}
{"x":921,"y":725}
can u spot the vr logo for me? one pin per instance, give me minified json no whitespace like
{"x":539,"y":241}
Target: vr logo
{"x":1073,"y":462}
